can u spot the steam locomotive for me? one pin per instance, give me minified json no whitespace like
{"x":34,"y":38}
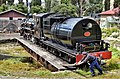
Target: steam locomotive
{"x":27,"y":27}
{"x":66,"y":37}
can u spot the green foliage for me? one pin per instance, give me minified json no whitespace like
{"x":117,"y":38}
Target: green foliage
{"x":36,"y":2}
{"x":116,"y":3}
{"x":88,"y":6}
{"x":54,"y":3}
{"x":74,"y":2}
{"x":114,"y":30}
{"x":10,"y":2}
{"x":96,"y":1}
{"x":48,"y":74}
{"x":66,"y":2}
{"x":115,"y":52}
{"x":20,"y":7}
{"x":65,"y":9}
{"x":13,"y":49}
{"x":109,"y":31}
{"x":20,"y":1}
{"x":21,"y":66}
{"x":113,"y":62}
{"x":83,"y":72}
{"x":37,"y":9}
{"x":3,"y":7}
{"x":14,"y":66}
{"x":43,"y":73}
{"x":48,"y":5}
{"x":113,"y":65}
{"x":92,"y":8}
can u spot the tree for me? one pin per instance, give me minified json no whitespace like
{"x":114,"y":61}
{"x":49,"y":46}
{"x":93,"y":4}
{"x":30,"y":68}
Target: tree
{"x":54,"y":3}
{"x":20,"y":1}
{"x":37,"y":9}
{"x":91,"y":6}
{"x":19,"y":7}
{"x":2,"y":2}
{"x":3,"y":7}
{"x":107,"y":5}
{"x":65,"y":9}
{"x":48,"y":5}
{"x":10,"y":2}
{"x":74,"y":2}
{"x":36,"y":2}
{"x":22,"y":8}
{"x":65,"y":1}
{"x":116,"y":3}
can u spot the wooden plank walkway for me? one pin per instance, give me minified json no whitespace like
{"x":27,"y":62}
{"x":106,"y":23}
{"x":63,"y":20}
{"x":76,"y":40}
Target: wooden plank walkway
{"x":6,"y":36}
{"x":52,"y":59}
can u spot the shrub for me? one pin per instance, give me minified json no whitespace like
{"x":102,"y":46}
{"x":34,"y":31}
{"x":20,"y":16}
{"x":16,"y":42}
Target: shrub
{"x":107,"y":32}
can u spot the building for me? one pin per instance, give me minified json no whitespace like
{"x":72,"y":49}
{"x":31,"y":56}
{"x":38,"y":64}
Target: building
{"x":110,"y":18}
{"x":10,"y":20}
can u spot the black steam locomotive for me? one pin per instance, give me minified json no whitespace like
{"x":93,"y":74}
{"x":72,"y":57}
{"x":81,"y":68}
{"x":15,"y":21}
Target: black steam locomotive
{"x":27,"y":27}
{"x":67,"y":37}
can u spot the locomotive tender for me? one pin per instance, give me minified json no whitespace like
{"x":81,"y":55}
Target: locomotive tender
{"x":67,"y":37}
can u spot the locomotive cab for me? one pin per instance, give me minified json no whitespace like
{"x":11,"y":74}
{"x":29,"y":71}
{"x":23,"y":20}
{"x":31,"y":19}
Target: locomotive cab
{"x":50,"y":22}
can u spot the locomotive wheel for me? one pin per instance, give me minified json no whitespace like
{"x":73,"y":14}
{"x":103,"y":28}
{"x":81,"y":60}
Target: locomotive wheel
{"x":47,"y":48}
{"x":25,"y":36}
{"x":69,"y":59}
{"x":31,"y":38}
{"x":21,"y":34}
{"x":66,"y":57}
{"x":53,"y":51}
{"x":40,"y":44}
{"x":60,"y":54}
{"x":28,"y":38}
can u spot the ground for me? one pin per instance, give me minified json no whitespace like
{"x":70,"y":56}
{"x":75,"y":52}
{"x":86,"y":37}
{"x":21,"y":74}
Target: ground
{"x":16,"y":63}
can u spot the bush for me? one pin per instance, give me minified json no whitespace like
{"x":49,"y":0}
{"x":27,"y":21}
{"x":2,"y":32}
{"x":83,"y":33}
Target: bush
{"x":65,"y":9}
{"x":109,"y":31}
{"x":37,"y":9}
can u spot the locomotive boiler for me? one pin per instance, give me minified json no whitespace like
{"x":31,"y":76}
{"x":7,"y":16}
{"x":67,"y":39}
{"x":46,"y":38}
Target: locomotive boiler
{"x":75,"y":30}
{"x":67,"y":37}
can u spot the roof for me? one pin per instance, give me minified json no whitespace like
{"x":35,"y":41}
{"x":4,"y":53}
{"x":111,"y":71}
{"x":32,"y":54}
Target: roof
{"x":12,"y":10}
{"x":43,"y":14}
{"x":111,"y":12}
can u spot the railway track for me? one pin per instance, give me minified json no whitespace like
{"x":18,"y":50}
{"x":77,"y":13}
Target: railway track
{"x":47,"y":59}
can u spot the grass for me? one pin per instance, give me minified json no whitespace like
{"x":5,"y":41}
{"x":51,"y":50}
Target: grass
{"x":114,"y":62}
{"x":111,"y":69}
{"x":13,"y":49}
{"x":21,"y":66}
{"x":15,"y":67}
{"x":47,"y":74}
